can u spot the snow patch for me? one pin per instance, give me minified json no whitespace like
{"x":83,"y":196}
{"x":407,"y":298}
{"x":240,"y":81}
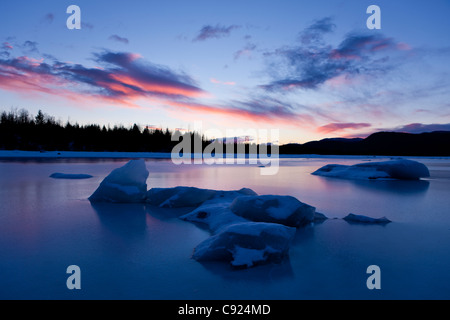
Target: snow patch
{"x":285,"y":210}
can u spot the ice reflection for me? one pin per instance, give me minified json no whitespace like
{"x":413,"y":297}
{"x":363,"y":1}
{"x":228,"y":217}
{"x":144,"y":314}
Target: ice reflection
{"x":128,"y":221}
{"x":262,"y":274}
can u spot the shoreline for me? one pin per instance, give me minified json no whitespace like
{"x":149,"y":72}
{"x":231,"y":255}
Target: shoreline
{"x":19,"y":154}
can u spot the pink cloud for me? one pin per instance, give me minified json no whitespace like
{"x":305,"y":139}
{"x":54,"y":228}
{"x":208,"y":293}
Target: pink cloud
{"x":339,"y":126}
{"x":227,"y":83}
{"x":126,"y":81}
{"x":7,"y":45}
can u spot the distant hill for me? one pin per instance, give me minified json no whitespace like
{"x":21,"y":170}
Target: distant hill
{"x":435,"y":143}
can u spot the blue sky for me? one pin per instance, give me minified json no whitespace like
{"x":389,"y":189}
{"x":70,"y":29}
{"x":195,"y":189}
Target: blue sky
{"x":309,"y":68}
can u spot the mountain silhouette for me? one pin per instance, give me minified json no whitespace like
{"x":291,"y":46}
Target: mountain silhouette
{"x":435,"y":143}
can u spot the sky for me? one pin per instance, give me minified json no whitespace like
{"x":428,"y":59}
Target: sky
{"x":311,"y":69}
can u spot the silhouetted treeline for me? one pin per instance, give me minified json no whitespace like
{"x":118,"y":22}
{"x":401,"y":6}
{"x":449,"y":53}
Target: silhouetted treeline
{"x":19,"y":130}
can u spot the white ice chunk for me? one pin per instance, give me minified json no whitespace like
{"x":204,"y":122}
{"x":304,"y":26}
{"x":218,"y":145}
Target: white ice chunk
{"x":364,"y":219}
{"x":216,"y":212}
{"x":247,"y":244}
{"x":286,"y":210}
{"x":394,"y":169}
{"x":58,"y":175}
{"x":126,"y":184}
{"x":246,"y":258}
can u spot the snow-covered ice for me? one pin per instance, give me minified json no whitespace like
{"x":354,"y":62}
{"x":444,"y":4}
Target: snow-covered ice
{"x":395,"y":169}
{"x":178,"y":197}
{"x":126,"y":184}
{"x":216,"y":212}
{"x":247,"y":244}
{"x":365,"y":219}
{"x":58,"y":175}
{"x":286,"y":210}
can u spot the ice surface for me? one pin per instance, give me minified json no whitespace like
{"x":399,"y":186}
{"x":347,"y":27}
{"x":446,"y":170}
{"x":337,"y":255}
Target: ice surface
{"x":364,"y":219}
{"x":394,"y":169}
{"x":58,"y":175}
{"x":286,"y":210}
{"x":216,"y":212}
{"x":126,"y":184}
{"x":247,"y":244}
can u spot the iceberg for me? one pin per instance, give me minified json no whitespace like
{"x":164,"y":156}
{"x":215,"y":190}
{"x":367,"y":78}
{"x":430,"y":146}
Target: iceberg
{"x":394,"y":169}
{"x":126,"y":184}
{"x":364,"y":219}
{"x":285,"y":210}
{"x":247,"y":244}
{"x":58,"y":175}
{"x":215,"y":212}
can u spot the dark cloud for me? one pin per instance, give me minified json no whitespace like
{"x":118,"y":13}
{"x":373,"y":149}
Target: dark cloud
{"x":217,"y":31}
{"x":314,"y":62}
{"x":117,"y":38}
{"x":87,"y":25}
{"x":314,"y":33}
{"x":30,"y":46}
{"x":49,"y":17}
{"x":265,"y":105}
{"x":356,"y":46}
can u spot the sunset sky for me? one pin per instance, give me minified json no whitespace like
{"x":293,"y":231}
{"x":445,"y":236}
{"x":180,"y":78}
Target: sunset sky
{"x":309,"y":68}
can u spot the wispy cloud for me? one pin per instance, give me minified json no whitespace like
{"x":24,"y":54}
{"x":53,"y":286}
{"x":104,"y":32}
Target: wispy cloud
{"x":30,"y":46}
{"x":7,"y":45}
{"x":339,"y":127}
{"x":120,"y":77}
{"x":117,"y":38}
{"x":123,"y":78}
{"x":314,"y":33}
{"x":420,"y":127}
{"x":309,"y":65}
{"x":87,"y":25}
{"x":217,"y":31}
{"x":227,"y":83}
{"x":246,"y":51}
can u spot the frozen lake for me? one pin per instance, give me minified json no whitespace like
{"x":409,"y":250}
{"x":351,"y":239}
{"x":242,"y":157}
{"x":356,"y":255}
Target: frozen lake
{"x":137,"y":252}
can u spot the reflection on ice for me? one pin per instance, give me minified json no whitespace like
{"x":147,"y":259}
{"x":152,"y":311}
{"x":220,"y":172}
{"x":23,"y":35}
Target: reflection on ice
{"x":264,"y":273}
{"x":400,"y":187}
{"x":125,"y":220}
